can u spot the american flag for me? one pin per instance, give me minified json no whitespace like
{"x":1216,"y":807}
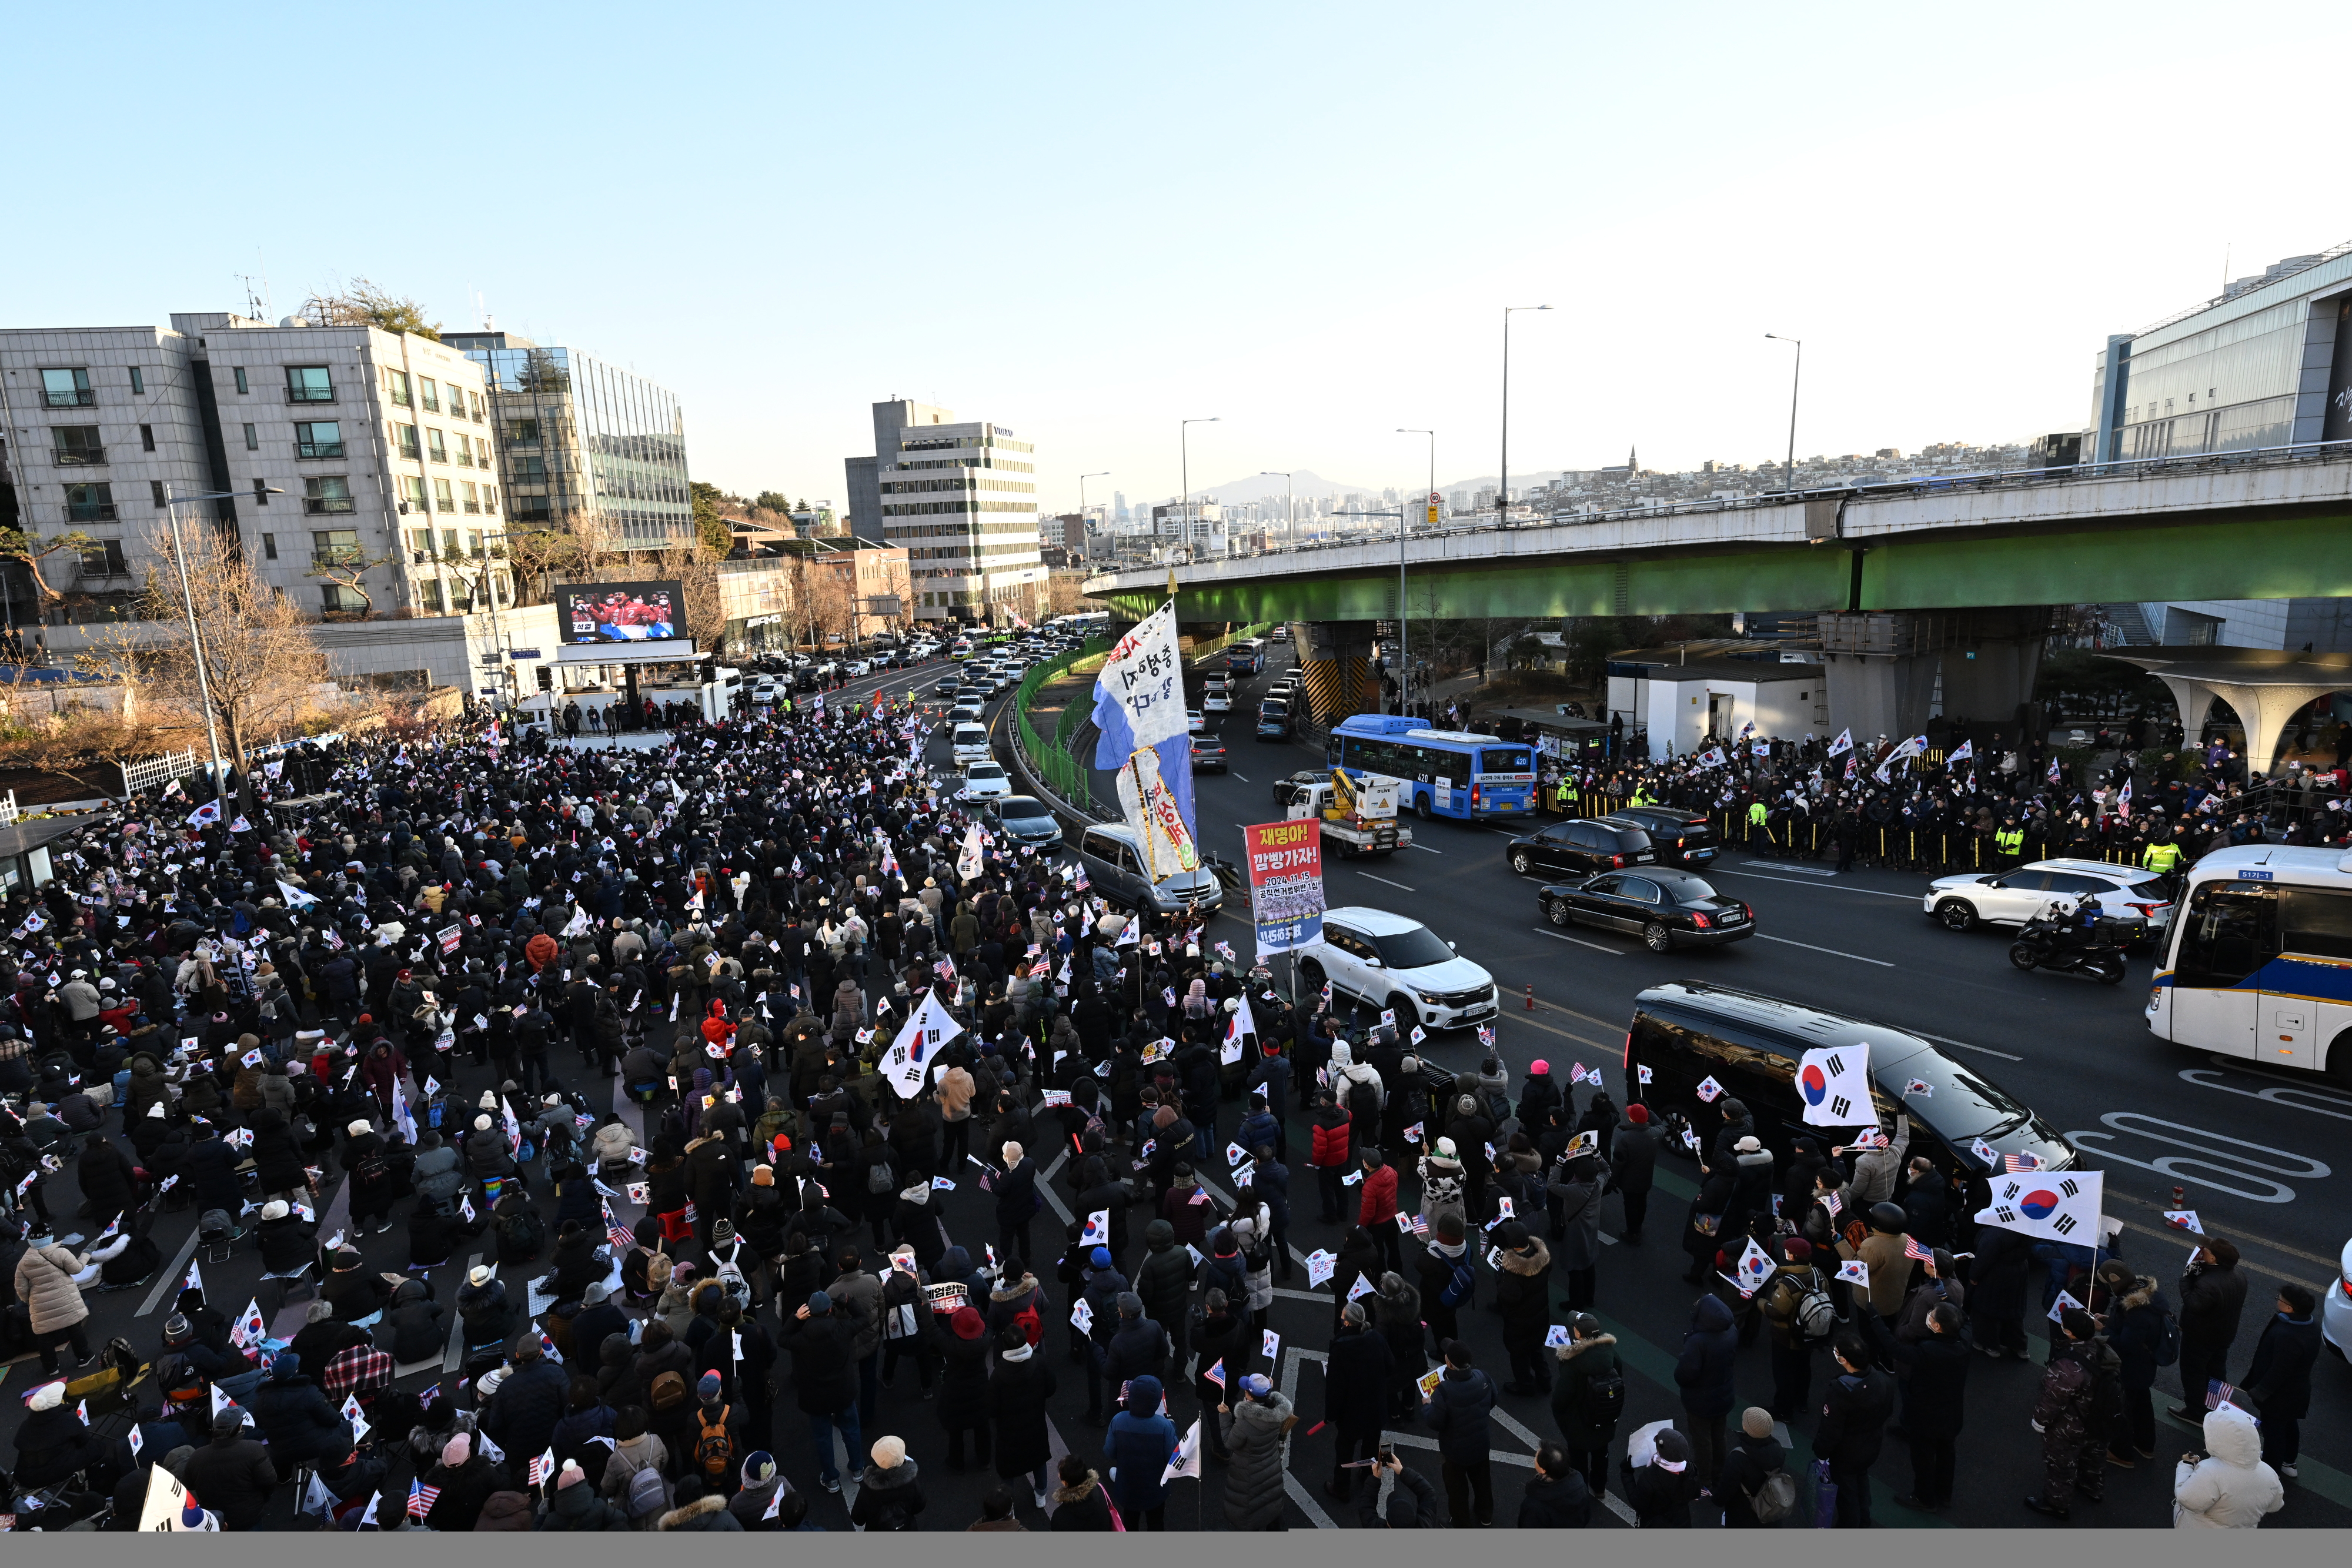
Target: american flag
{"x":2218,"y":1394}
{"x":1911,"y":1249}
{"x":2015,"y":1163}
{"x":421,"y":1499}
{"x":1835,"y":1202}
{"x":618,"y":1234}
{"x":542,"y":1466}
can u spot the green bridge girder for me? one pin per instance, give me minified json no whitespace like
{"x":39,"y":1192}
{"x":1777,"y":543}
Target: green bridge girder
{"x":2266,"y":557}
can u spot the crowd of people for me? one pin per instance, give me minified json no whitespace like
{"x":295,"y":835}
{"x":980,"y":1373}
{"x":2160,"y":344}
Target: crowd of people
{"x":1880,"y":802}
{"x":654,"y":1032}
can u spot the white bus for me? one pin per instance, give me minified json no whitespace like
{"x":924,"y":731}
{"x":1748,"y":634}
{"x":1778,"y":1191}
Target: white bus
{"x":2259,"y":959}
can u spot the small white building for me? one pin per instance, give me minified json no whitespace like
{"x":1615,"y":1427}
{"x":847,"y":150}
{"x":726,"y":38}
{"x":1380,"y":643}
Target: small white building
{"x":1681,"y":705}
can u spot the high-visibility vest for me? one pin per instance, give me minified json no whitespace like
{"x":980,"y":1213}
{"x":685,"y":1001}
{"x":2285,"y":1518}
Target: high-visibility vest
{"x":2161,"y":858}
{"x":1566,"y":793}
{"x":2009,"y":841}
{"x":1757,"y":812}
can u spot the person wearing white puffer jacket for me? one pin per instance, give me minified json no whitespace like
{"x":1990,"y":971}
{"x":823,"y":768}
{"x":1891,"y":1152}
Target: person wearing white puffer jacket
{"x":2227,"y":1487}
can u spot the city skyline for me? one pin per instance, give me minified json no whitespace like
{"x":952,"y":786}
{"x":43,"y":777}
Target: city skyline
{"x":1949,"y":254}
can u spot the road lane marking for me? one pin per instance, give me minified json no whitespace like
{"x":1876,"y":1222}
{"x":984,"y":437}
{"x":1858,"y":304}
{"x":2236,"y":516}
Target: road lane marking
{"x":1398,"y":885}
{"x":1760,"y":876}
{"x":1833,"y":952}
{"x":171,"y":1277}
{"x":1424,"y":848}
{"x":1964,"y":1045}
{"x":1613,"y":952}
{"x":1243,"y":777}
{"x":2181,"y":1167}
{"x":1778,"y":866}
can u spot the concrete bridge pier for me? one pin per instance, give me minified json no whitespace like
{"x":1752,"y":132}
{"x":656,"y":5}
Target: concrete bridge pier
{"x":1336,"y":659}
{"x":1883,"y":668}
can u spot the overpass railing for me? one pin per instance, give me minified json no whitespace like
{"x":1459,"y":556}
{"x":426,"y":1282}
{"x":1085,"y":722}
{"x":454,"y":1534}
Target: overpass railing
{"x":2297,"y":454}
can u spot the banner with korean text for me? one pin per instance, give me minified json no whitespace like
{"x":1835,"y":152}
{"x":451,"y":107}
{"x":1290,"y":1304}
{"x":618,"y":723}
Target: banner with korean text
{"x":1286,"y":877}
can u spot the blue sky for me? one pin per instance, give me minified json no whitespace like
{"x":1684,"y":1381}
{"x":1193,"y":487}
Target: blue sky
{"x":1090,"y":222}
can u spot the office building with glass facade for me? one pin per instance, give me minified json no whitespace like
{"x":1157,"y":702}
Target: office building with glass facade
{"x":587,"y":445}
{"x":2268,"y":362}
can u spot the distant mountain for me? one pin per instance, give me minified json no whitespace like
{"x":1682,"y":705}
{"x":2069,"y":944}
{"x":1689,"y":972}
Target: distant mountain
{"x":1304,"y":484}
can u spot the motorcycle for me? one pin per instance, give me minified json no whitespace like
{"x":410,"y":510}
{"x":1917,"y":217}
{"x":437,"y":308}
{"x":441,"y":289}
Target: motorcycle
{"x":2045,"y":944}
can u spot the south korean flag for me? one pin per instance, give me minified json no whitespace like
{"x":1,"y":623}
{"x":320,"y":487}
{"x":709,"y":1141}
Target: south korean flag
{"x":1834,"y":1082}
{"x":2053,"y":1207}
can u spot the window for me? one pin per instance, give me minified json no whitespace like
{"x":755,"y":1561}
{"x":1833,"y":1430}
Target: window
{"x":155,"y":490}
{"x":474,"y":400}
{"x":146,"y":438}
{"x":66,"y":389}
{"x":436,"y":444}
{"x":429,"y":394}
{"x":523,"y":433}
{"x":320,"y":438}
{"x":326,"y":495}
{"x":77,"y":445}
{"x":308,"y":383}
{"x":443,"y":501}
{"x":405,"y":437}
{"x":490,"y":500}
{"x":395,"y":386}
{"x":2233,"y":931}
{"x":420,"y":541}
{"x":412,"y":493}
{"x":2317,"y":921}
{"x":474,"y":543}
{"x":261,"y":492}
{"x":104,"y":559}
{"x":270,"y":546}
{"x":429,"y":594}
{"x":465,"y":450}
{"x":335,"y":599}
{"x":252,"y":438}
{"x":239,"y":373}
{"x":473,"y":496}
{"x":337,"y":547}
{"x":90,"y":503}
{"x":449,"y":543}
{"x":138,"y":381}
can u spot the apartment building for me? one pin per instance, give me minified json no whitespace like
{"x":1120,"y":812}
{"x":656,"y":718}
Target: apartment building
{"x":356,"y":468}
{"x":962,"y":499}
{"x":586,"y":445}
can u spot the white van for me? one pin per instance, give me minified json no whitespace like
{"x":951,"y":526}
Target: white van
{"x":969,"y":743}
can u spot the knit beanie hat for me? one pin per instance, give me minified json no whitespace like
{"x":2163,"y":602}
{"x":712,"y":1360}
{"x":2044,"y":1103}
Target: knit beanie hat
{"x":457,"y":1450}
{"x":573,"y":1475}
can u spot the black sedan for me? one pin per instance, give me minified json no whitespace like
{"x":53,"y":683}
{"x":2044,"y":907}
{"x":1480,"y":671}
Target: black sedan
{"x":1683,"y":838}
{"x":1668,"y":909}
{"x":1208,"y":754}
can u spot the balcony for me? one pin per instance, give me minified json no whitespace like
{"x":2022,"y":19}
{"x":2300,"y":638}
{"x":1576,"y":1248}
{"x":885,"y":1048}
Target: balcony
{"x":314,"y":449}
{"x":338,"y":555}
{"x":327,"y":506}
{"x":411,"y":454}
{"x":476,"y":507}
{"x":400,"y":398}
{"x":89,"y":511}
{"x":79,"y":397}
{"x":311,"y":394}
{"x":80,"y":456}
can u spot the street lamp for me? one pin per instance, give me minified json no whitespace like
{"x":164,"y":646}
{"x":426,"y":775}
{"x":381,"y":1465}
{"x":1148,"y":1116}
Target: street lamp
{"x":1289,"y":516}
{"x":1790,"y":478}
{"x":1503,"y":492}
{"x":1097,"y":473}
{"x":188,"y":602}
{"x":1184,"y":447}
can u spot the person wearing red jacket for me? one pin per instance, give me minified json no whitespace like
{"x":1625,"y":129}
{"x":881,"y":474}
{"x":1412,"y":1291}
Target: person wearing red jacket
{"x":1378,"y":1209}
{"x":1327,"y":1154}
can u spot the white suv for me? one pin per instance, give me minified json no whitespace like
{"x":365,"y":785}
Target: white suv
{"x":1393,"y":963}
{"x":2014,"y":897}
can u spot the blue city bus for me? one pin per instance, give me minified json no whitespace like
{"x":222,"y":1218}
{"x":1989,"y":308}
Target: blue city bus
{"x":1441,"y":772}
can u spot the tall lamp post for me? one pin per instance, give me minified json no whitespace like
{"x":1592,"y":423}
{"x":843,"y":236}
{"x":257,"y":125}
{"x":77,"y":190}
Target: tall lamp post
{"x":1403,"y":643}
{"x":188,"y":603}
{"x":1404,"y":664}
{"x":1502,"y":491}
{"x":1097,"y":473}
{"x":1789,"y":486}
{"x":1184,"y":457}
{"x":1289,"y":515}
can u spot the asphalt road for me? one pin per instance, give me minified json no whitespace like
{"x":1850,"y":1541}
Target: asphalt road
{"x":1457,"y":883}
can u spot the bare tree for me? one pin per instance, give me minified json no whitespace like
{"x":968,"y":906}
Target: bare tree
{"x":359,"y":303}
{"x":259,"y":659}
{"x":33,"y":551}
{"x":347,"y":566}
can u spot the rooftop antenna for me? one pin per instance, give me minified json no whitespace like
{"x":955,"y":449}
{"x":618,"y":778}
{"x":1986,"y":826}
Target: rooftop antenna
{"x":2225,"y":263}
{"x":256,"y":300}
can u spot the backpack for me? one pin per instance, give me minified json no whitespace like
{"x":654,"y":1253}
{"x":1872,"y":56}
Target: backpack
{"x":714,"y":1449}
{"x":1363,"y":1100}
{"x":2167,"y":1338}
{"x":880,"y":1177}
{"x":1028,"y":1321}
{"x":372,"y":1168}
{"x":521,"y":1236}
{"x":1460,"y":1283}
{"x":667,"y":1393}
{"x":1812,"y":1315}
{"x":1774,"y":1498}
{"x":1604,"y":1396}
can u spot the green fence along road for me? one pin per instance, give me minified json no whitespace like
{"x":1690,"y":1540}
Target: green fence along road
{"x":1051,"y":760}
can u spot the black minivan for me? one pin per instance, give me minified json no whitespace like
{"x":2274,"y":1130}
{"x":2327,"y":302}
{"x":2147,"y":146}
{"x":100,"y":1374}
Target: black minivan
{"x":1688,"y":1031}
{"x":1580,"y":848}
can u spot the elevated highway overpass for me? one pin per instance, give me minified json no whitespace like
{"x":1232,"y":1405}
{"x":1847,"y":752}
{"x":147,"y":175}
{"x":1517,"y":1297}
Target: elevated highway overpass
{"x":1936,"y":566}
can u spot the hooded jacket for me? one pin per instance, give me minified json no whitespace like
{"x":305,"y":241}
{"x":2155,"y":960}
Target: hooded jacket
{"x":1164,"y":1278}
{"x":1582,"y":1363}
{"x":1256,"y":1434}
{"x":45,"y":1283}
{"x":2230,"y":1488}
{"x":1084,"y":1506}
{"x":703,"y":1514}
{"x":1138,"y":1444}
{"x":888,"y":1500}
{"x":1523,"y":1288}
{"x":232,"y":1474}
{"x":1711,"y":1354}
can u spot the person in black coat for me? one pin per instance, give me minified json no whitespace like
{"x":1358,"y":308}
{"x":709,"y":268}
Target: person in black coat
{"x":2279,"y":1380}
{"x":1703,"y":1231}
{"x":414,"y":1328}
{"x":277,"y":1156}
{"x":1853,"y":1428}
{"x":1662,"y":1492}
{"x":600,"y":1317}
{"x":1016,"y":1203}
{"x":108,"y":1184}
{"x":2212,"y":1300}
{"x":1753,"y":1458}
{"x":1934,"y":1373}
{"x":287,"y":1243}
{"x":1356,"y":1381}
{"x":1559,"y":1498}
{"x":212,"y":1174}
{"x":2133,"y":1316}
{"x":232,"y":1474}
{"x":1019,"y":1385}
{"x":1633,"y":1169}
{"x":963,"y":1398}
{"x":1998,"y":1279}
{"x":524,"y":1410}
{"x":295,"y":1418}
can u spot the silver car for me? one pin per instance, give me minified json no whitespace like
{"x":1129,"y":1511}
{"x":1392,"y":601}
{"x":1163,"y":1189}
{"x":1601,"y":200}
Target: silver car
{"x":1114,"y":866}
{"x":2014,"y":897}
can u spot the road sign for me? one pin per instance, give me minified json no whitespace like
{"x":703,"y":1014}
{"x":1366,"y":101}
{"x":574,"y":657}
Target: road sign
{"x":520,"y":653}
{"x":1435,"y":509}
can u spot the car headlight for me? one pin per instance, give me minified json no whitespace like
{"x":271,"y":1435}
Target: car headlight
{"x":1429,"y":996}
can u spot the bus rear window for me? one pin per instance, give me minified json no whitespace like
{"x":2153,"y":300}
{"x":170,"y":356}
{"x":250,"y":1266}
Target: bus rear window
{"x":1491,"y":760}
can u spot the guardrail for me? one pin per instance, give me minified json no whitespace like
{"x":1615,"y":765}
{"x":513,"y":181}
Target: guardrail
{"x":1054,"y":765}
